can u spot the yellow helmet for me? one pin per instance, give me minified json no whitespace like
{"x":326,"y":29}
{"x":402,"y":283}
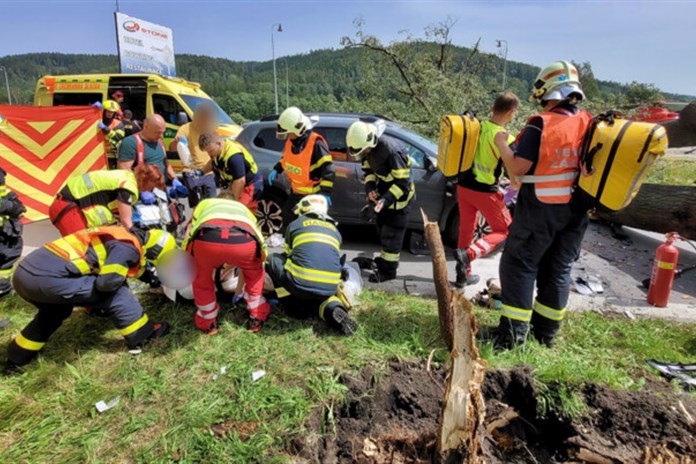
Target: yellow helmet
{"x":557,"y":74}
{"x":315,"y":205}
{"x":110,"y":105}
{"x":157,"y":244}
{"x":363,"y":135}
{"x":292,"y":121}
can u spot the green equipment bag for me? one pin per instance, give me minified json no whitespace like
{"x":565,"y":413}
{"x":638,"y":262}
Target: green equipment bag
{"x":459,"y":136}
{"x":616,"y":157}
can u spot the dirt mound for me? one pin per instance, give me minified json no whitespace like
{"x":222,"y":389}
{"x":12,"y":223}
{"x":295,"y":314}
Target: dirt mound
{"x":393,"y":419}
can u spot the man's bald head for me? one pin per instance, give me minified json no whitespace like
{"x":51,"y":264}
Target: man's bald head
{"x":153,"y":128}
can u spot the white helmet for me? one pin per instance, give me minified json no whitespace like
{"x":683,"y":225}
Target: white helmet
{"x":315,"y":205}
{"x":363,"y":135}
{"x":292,"y":121}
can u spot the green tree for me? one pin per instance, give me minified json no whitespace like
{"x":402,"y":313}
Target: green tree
{"x":642,"y":94}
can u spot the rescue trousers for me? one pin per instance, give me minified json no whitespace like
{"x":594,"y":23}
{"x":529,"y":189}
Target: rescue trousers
{"x":544,"y":242}
{"x":55,"y":298}
{"x":66,"y":216}
{"x":492,"y":207}
{"x":391,"y":227}
{"x":10,"y":251}
{"x":251,"y":194}
{"x":296,"y":302}
{"x":213,"y":248}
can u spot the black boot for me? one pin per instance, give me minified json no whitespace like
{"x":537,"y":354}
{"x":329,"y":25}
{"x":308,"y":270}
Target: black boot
{"x":383,"y":271}
{"x":506,"y":336}
{"x":18,"y":356}
{"x":544,"y":329}
{"x":337,"y":317}
{"x":464,"y":276}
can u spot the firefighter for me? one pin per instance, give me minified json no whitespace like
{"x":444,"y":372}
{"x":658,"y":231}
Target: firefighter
{"x":224,"y":232}
{"x":306,"y":160}
{"x":112,"y":128}
{"x":235,"y":165}
{"x":479,"y":191}
{"x":11,"y":210}
{"x":306,"y":277}
{"x":91,"y":199}
{"x":389,"y":186}
{"x":547,"y":230}
{"x":89,"y":268}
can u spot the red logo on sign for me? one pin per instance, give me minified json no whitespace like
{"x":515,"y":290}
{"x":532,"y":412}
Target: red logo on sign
{"x":131,"y":26}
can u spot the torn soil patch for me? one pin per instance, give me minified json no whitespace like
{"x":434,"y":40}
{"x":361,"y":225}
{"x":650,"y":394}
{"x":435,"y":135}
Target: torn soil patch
{"x":394,"y":419}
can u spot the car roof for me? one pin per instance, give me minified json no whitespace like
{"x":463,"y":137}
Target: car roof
{"x":367,"y":116}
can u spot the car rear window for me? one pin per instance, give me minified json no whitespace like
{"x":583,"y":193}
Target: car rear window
{"x":336,"y":138}
{"x":267,"y":140}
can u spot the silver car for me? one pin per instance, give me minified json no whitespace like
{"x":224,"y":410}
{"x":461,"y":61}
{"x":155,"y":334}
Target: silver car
{"x":434,"y":193}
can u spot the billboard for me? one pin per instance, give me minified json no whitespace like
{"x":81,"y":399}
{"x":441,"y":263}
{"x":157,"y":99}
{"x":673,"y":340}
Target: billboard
{"x":144,"y":47}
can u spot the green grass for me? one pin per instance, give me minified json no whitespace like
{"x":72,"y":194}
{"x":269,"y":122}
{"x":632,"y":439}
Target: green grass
{"x":170,"y":399}
{"x":673,"y":171}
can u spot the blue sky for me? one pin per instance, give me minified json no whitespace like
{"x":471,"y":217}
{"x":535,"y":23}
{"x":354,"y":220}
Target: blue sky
{"x":647,"y":41}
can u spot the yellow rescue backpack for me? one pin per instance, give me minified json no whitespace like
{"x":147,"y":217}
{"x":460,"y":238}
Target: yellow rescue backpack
{"x":615,"y":159}
{"x":459,"y":136}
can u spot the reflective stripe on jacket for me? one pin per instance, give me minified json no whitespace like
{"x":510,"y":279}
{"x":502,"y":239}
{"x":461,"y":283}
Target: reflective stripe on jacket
{"x":558,"y":164}
{"x":74,"y":248}
{"x":217,"y":209}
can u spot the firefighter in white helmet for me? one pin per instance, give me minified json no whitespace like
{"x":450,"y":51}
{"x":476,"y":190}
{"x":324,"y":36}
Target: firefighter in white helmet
{"x":306,"y":160}
{"x":389,"y":186}
{"x":548,"y":228}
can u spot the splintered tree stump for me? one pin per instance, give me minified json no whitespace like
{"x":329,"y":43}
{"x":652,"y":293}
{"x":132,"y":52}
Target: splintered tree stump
{"x":461,"y":420}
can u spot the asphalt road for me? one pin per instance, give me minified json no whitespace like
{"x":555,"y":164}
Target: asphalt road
{"x":621,"y":265}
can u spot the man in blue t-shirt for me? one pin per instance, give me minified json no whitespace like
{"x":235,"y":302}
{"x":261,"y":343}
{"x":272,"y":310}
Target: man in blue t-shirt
{"x":148,"y":144}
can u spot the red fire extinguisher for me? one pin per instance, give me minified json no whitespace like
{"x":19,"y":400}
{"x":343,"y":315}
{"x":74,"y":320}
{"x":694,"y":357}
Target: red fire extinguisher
{"x":664,"y":267}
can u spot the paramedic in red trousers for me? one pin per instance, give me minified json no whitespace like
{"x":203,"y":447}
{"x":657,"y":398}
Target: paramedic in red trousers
{"x":306,"y":160}
{"x":307,"y":276}
{"x":547,"y":230}
{"x":11,"y":211}
{"x":234,"y":165}
{"x":389,"y":186}
{"x":478,"y":191}
{"x":224,"y":232}
{"x":147,"y":147}
{"x":89,"y":268}
{"x":90,"y":200}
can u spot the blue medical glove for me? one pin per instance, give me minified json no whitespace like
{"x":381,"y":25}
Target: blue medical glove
{"x":148,"y":198}
{"x":328,"y":200}
{"x":103,"y":126}
{"x":183,"y":140}
{"x":272,"y":176}
{"x":97,"y":105}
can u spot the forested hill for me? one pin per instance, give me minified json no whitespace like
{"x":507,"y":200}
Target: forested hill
{"x":322,"y":80}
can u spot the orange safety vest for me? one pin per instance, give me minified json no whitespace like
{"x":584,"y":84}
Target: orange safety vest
{"x":558,"y":164}
{"x":74,"y":247}
{"x":298,"y":166}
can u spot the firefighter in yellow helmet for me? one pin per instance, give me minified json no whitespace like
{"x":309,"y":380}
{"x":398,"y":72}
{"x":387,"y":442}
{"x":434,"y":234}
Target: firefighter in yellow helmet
{"x":113,"y":129}
{"x":547,"y":230}
{"x":389,"y":186}
{"x":89,"y":268}
{"x":306,"y":160}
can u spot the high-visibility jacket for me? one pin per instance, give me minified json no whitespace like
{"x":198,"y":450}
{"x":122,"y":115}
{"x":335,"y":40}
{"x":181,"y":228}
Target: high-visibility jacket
{"x":217,"y":209}
{"x":487,"y":156}
{"x":231,"y":148}
{"x":558,"y":164}
{"x":85,"y":190}
{"x":298,"y":166}
{"x":75,"y":247}
{"x":314,"y":262}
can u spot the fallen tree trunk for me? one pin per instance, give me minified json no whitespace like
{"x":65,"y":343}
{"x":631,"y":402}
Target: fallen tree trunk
{"x":461,"y":422}
{"x":660,"y":208}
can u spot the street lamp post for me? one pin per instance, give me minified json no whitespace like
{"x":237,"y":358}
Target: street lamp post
{"x":7,"y":85}
{"x":275,"y":79}
{"x":499,"y":45}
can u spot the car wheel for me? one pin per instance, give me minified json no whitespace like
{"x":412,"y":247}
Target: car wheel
{"x":269,"y":213}
{"x":482,"y":227}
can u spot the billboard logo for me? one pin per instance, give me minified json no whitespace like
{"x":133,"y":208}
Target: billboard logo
{"x":131,"y":26}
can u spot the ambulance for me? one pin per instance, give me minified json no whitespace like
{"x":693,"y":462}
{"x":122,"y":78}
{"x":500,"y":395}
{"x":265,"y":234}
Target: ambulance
{"x":173,"y":98}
